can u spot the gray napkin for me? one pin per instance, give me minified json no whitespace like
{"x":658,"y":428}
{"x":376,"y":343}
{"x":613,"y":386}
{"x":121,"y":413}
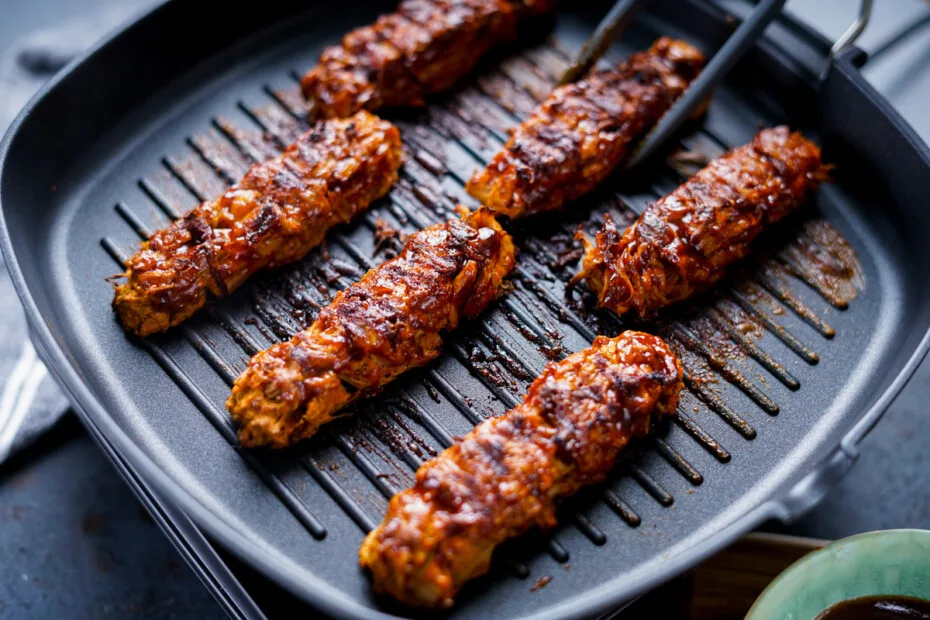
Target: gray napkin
{"x":30,"y":402}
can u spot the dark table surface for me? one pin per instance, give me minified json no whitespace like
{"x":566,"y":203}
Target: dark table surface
{"x":75,"y":543}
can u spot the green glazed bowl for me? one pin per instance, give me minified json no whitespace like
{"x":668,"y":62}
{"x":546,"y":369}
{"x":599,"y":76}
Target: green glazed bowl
{"x":884,"y":562}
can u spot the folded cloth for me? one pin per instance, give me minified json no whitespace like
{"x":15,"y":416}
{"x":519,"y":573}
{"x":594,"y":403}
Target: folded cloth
{"x":30,"y":402}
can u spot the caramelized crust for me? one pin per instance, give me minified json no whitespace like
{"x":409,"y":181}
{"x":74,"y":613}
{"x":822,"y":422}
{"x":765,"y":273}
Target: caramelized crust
{"x":277,"y":213}
{"x":681,"y":244}
{"x":422,"y":49}
{"x":583,"y":131}
{"x":506,"y":476}
{"x":383,"y":325}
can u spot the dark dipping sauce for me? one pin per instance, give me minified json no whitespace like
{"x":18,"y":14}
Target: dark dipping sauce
{"x":878,"y":608}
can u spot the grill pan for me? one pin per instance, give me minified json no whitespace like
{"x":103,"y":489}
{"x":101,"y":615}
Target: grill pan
{"x":173,"y":108}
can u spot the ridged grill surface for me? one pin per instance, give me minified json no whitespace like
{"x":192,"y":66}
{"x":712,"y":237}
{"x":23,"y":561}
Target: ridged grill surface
{"x":740,"y":344}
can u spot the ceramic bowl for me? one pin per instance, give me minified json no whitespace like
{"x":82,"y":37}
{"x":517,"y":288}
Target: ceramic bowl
{"x":883,"y":562}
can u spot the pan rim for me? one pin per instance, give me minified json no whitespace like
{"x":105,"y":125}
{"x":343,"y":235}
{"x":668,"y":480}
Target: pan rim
{"x":311,"y":589}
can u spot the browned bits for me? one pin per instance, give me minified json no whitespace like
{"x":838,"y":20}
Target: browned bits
{"x":279,"y":211}
{"x":422,"y":49}
{"x":682,"y":243}
{"x":505,"y":476}
{"x":583,"y":131}
{"x":383,"y":325}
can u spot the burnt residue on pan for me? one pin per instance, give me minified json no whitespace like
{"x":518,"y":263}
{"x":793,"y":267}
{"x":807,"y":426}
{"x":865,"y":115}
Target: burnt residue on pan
{"x":719,"y":335}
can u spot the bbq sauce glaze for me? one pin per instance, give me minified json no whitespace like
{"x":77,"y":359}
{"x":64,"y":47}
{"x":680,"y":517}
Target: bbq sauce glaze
{"x":878,"y":608}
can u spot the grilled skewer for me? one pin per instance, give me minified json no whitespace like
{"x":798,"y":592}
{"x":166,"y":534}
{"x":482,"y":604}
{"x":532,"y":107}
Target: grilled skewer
{"x":584,"y":130}
{"x":383,"y":325}
{"x":682,"y":243}
{"x":278,"y":212}
{"x":507,"y":475}
{"x":422,"y":49}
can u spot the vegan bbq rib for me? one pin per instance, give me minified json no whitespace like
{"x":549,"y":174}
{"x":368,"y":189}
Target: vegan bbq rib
{"x":383,"y":325}
{"x":508,"y":474}
{"x":277,"y":213}
{"x":682,"y":243}
{"x":583,"y":131}
{"x":423,"y":48}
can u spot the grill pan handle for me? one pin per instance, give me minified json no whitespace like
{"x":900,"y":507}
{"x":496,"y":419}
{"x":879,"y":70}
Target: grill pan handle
{"x":843,"y":95}
{"x":848,"y":38}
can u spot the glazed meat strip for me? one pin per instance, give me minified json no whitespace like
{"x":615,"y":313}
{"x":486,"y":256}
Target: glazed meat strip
{"x":682,"y":243}
{"x":508,"y":474}
{"x":383,"y":325}
{"x":279,"y":211}
{"x":422,"y":49}
{"x":583,"y":131}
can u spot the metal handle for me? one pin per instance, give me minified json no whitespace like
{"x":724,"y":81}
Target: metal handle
{"x":849,"y":37}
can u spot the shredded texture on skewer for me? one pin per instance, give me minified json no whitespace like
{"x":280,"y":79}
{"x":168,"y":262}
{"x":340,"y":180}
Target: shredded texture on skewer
{"x":279,"y":211}
{"x":507,"y":475}
{"x":585,"y":130}
{"x":388,"y":322}
{"x":423,"y":48}
{"x":682,"y":244}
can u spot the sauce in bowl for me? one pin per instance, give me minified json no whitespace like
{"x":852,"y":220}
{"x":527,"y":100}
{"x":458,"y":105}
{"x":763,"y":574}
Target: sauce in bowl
{"x":878,"y":608}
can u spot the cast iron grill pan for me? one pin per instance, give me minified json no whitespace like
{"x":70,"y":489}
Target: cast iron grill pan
{"x":781,"y":360}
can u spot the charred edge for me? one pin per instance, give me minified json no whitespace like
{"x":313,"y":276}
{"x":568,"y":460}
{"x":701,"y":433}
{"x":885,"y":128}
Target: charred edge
{"x":783,"y":334}
{"x":412,"y":409}
{"x":206,"y":349}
